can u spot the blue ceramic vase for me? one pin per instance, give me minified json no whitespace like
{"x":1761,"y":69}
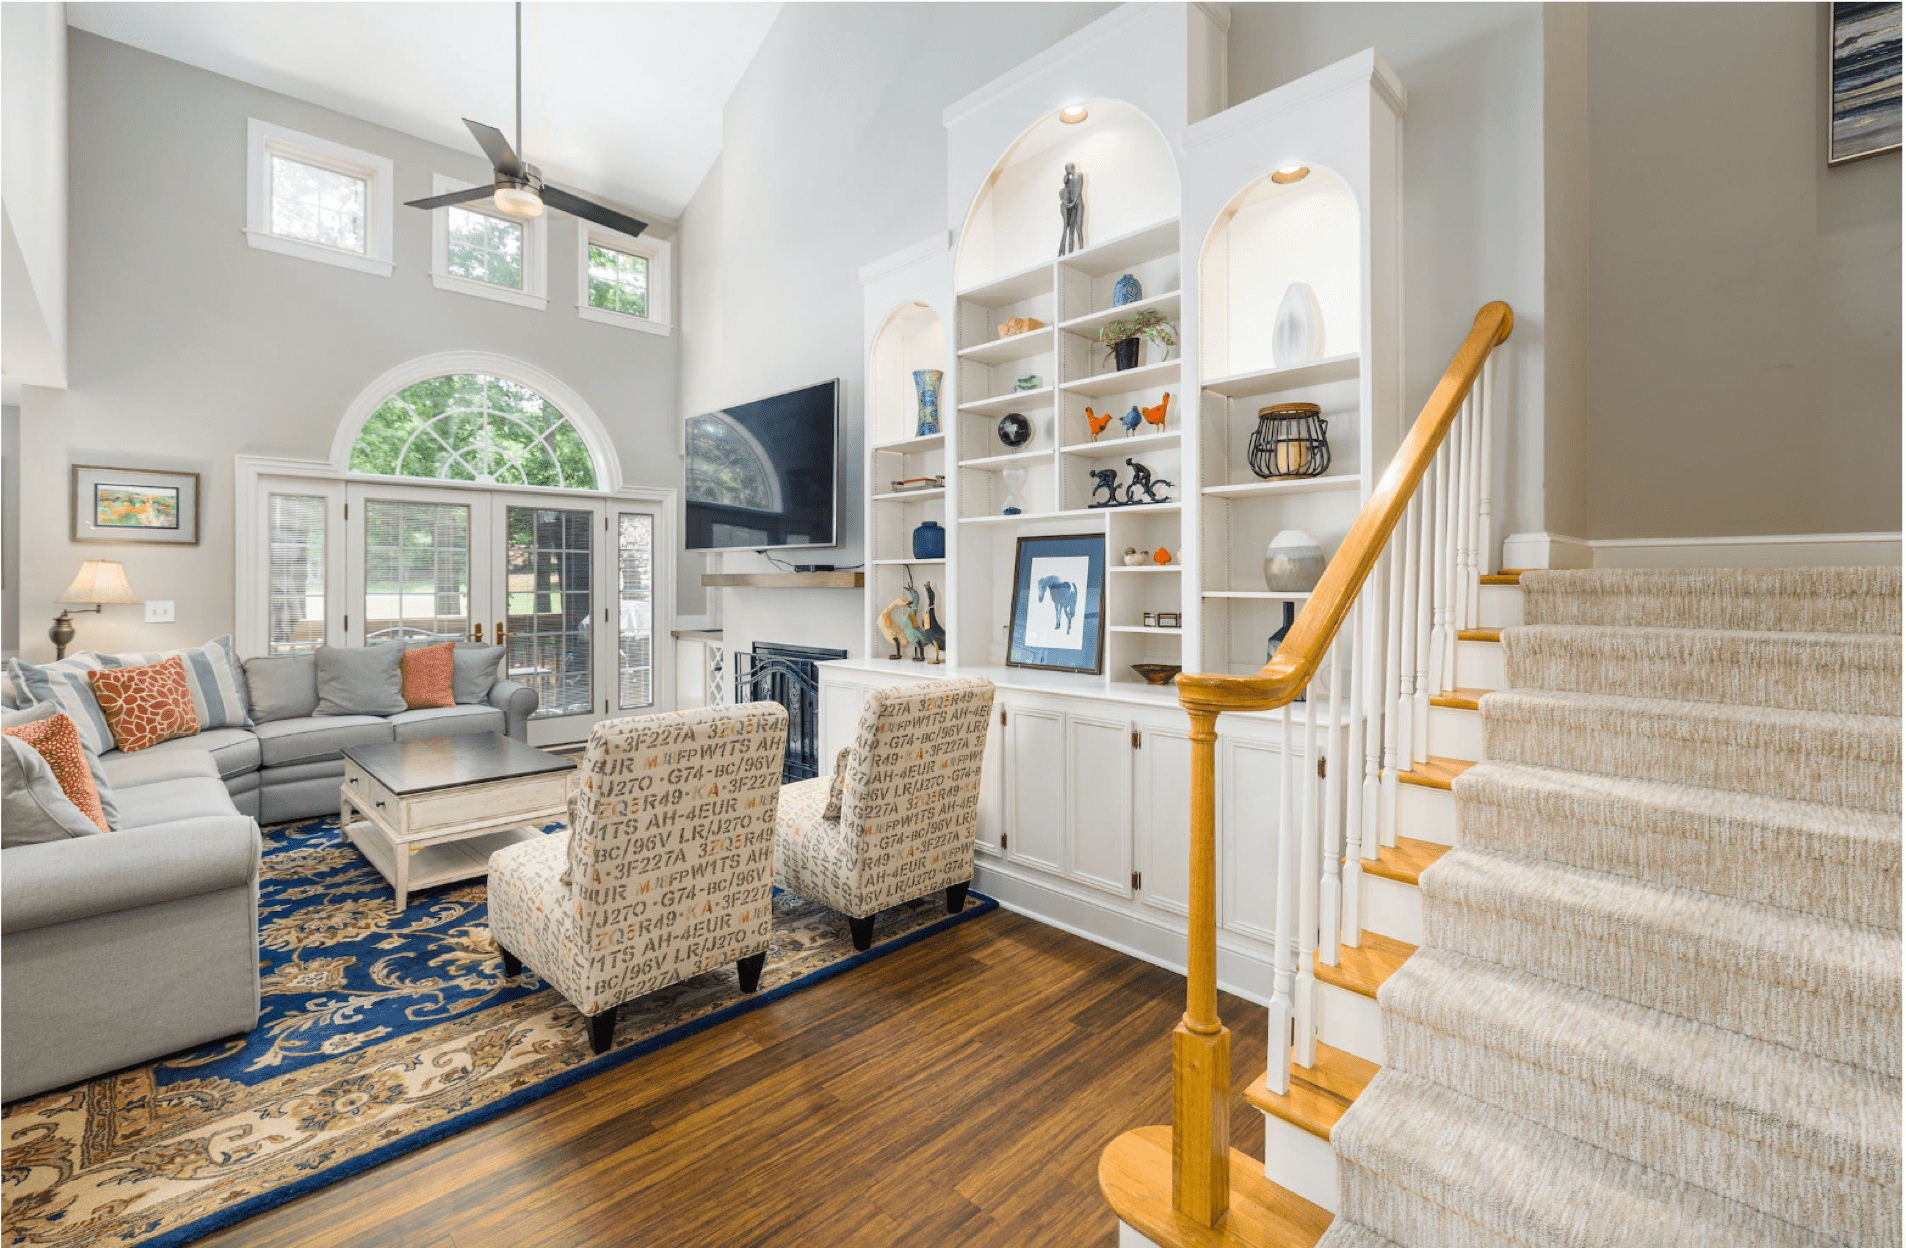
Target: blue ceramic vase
{"x":1126,"y":290}
{"x":929,"y":541}
{"x":926,"y":382}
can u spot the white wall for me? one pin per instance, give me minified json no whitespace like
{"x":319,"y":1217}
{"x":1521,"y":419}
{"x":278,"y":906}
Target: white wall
{"x":33,"y":219}
{"x":187,"y":346}
{"x":833,"y":155}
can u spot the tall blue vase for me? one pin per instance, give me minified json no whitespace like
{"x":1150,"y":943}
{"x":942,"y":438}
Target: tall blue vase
{"x":926,"y":382}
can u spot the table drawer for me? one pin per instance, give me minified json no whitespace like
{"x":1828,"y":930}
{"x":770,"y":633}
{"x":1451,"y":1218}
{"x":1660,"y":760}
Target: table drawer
{"x":487,"y":803}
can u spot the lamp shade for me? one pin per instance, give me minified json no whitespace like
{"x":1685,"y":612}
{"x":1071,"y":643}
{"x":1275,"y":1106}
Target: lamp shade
{"x":99,"y":580}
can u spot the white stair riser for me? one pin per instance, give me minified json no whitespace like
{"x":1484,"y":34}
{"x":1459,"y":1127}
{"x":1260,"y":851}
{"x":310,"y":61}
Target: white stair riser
{"x":1392,"y":908}
{"x":1455,"y":733}
{"x":1300,"y":1162}
{"x":1350,"y":1021}
{"x":1479,"y":665}
{"x":1425,"y":814}
{"x":1501,"y":606}
{"x":1128,"y":1237}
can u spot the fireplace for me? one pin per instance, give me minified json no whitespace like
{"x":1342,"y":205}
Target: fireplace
{"x":774,"y":672}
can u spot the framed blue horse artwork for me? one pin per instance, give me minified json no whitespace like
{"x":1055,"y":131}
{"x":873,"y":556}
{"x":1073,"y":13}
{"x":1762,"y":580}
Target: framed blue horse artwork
{"x":1059,"y":604}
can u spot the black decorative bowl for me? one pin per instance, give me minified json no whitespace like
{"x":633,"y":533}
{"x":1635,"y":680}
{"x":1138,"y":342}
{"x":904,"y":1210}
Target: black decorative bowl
{"x":1014,"y":430}
{"x":1157,"y":673}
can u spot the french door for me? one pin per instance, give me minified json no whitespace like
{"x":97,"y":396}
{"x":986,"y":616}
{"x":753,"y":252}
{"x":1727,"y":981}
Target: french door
{"x":565,"y":584}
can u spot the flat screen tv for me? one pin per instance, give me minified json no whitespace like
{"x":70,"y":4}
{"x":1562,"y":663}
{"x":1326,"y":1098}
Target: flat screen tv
{"x":766,"y":474}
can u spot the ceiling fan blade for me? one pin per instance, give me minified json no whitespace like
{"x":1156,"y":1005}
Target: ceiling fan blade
{"x":576,"y":206}
{"x":496,"y":147}
{"x":454,"y":197}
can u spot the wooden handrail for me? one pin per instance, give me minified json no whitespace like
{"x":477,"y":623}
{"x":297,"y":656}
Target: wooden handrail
{"x":1201,"y":1045}
{"x":1279,"y":681}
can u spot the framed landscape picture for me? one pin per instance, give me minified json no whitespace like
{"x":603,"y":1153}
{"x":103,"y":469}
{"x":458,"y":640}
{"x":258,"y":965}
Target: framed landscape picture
{"x":134,"y":505}
{"x":1059,"y":604}
{"x":1863,"y":108}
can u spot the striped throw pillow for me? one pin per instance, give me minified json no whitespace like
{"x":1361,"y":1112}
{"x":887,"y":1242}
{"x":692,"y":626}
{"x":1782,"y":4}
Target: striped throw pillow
{"x":64,"y":684}
{"x":211,"y":670}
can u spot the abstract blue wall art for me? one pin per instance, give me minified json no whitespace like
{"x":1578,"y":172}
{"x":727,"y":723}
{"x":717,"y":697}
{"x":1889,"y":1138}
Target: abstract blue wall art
{"x":1865,"y":92}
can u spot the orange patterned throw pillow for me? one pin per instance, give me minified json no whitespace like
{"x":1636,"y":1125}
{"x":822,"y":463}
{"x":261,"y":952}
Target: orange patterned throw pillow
{"x":427,"y":671}
{"x":56,"y":740}
{"x":146,"y":705}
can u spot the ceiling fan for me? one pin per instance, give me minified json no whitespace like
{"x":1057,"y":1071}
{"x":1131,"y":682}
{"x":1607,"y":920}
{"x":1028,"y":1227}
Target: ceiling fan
{"x":518,"y":190}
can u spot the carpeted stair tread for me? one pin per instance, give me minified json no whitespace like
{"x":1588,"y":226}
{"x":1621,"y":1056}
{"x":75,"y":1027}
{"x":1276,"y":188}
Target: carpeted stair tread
{"x":1778,"y":600}
{"x":1830,"y":861}
{"x":1817,"y":756}
{"x":1818,"y":985}
{"x":1799,"y":1137}
{"x":1425,"y":1165}
{"x":1344,"y":1233}
{"x":1852,"y":673}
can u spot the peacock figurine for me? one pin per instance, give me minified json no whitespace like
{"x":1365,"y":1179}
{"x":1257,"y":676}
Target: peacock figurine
{"x":910,"y":626}
{"x":936,"y":631}
{"x":1096,"y":421}
{"x":1156,"y":415}
{"x":888,"y":628}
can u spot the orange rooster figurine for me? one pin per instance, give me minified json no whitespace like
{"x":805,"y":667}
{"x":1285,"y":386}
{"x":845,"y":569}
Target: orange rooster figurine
{"x":1096,"y":423}
{"x":1156,"y":415}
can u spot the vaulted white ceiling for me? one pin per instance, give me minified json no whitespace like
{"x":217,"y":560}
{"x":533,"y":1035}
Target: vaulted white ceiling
{"x":620,"y":100}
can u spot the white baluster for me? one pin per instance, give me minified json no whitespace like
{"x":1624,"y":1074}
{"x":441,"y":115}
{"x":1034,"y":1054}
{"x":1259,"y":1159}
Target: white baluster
{"x":1373,"y":718}
{"x":1449,"y":497}
{"x":1440,"y":637}
{"x":1309,"y":849}
{"x":1486,"y":561}
{"x":1466,"y":529}
{"x":1330,"y":899}
{"x":1351,"y":889}
{"x":1392,"y":664}
{"x":1425,"y":554}
{"x":1278,"y":1075}
{"x":1410,"y":553}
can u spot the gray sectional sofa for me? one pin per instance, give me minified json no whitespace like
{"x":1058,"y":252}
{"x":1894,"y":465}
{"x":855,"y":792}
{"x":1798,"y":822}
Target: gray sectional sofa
{"x":121,"y":947}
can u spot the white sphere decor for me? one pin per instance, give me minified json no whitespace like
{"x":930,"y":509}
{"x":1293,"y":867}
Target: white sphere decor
{"x":1297,"y":335}
{"x":1293,"y":563}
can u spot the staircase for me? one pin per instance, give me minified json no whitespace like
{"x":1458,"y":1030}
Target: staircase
{"x":1608,"y":950}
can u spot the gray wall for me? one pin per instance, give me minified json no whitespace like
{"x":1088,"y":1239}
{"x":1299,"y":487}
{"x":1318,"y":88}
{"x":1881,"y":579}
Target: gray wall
{"x":10,"y":529}
{"x":1743,"y":298}
{"x":187,"y":346}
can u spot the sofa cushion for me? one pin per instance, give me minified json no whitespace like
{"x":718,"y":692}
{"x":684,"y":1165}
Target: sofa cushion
{"x":283,"y":686}
{"x":213,"y":674}
{"x":442,"y":721}
{"x":108,"y":803}
{"x":169,"y":801}
{"x":331,"y":769}
{"x":234,"y":751}
{"x":33,"y":808}
{"x":476,"y":672}
{"x":64,"y":684}
{"x":356,"y":680}
{"x":57,"y":741}
{"x":318,"y":737}
{"x":146,"y":705}
{"x":129,"y":771}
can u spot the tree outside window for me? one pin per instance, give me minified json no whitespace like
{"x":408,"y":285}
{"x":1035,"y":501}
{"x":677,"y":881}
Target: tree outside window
{"x":618,"y":281}
{"x":474,"y":427}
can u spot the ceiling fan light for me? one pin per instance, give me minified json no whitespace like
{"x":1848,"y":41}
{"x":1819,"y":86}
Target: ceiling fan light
{"x":518,"y":201}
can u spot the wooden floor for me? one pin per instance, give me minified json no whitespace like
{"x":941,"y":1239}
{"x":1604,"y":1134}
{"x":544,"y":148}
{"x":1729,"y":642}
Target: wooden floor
{"x":954,"y":1093}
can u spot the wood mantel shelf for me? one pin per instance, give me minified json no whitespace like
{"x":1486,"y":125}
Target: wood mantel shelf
{"x":784,"y":580}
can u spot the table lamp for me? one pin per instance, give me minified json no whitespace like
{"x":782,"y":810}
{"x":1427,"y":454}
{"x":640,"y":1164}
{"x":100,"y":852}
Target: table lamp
{"x":100,"y":581}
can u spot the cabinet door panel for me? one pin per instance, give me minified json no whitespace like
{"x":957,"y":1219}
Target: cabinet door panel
{"x":1250,"y":777}
{"x":1035,"y":798}
{"x":840,"y":712}
{"x":1098,"y":776}
{"x":1163,"y":822}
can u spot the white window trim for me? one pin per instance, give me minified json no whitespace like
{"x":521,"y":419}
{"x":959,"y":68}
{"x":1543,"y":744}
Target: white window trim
{"x":657,"y":251}
{"x":263,"y":140}
{"x":535,"y":292}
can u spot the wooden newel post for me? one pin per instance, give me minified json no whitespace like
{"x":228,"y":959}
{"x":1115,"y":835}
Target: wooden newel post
{"x":1200,"y":1046}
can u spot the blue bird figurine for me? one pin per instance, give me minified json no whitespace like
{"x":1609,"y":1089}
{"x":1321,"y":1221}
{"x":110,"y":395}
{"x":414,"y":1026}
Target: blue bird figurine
{"x":1132,"y":420}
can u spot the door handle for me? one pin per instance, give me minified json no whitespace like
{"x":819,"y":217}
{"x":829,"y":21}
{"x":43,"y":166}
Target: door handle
{"x":500,"y":634}
{"x":477,"y":635}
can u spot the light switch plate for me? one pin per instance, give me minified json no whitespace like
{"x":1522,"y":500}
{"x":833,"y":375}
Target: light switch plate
{"x":159,"y":613}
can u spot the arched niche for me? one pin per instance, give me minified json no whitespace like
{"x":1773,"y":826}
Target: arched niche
{"x":912,"y":337}
{"x":1269,"y":236}
{"x":1131,"y":181}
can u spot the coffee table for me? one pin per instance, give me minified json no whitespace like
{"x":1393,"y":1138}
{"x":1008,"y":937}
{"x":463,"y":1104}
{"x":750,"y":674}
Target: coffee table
{"x":432,"y":811}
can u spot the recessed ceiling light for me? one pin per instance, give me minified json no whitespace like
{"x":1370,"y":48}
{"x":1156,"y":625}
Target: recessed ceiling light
{"x":1072,"y":114}
{"x":1290,"y":173}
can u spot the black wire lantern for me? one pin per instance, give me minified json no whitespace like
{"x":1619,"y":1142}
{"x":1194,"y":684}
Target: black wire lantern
{"x":1289,"y":441}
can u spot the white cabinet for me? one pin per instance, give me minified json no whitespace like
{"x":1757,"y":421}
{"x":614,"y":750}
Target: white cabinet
{"x":1162,"y":809}
{"x":1098,"y":781}
{"x":1035,"y":787}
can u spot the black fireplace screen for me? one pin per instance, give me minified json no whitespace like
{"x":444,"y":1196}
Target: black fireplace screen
{"x":786,"y":674}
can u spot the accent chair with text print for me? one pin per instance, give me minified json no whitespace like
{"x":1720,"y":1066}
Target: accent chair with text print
{"x":666,"y":869}
{"x":896,"y":820}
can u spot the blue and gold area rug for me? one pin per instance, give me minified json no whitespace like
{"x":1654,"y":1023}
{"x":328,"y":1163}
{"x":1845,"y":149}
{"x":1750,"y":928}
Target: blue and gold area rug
{"x":381,"y":1033}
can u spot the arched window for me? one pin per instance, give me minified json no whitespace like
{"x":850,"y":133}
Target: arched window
{"x":727,"y":465}
{"x":473,"y":427}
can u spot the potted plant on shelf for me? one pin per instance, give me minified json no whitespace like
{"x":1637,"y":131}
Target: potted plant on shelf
{"x":1123,"y":336}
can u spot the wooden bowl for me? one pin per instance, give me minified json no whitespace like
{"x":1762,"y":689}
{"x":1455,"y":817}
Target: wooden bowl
{"x":1157,"y":673}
